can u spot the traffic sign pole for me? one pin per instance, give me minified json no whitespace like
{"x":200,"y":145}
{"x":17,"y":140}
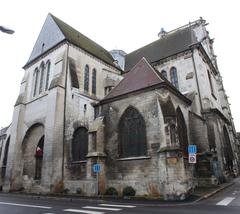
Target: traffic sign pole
{"x":192,"y":157}
{"x":97,"y":169}
{"x":97,"y":185}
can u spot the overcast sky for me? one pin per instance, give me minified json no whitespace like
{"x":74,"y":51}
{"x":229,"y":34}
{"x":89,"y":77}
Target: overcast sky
{"x":122,"y":24}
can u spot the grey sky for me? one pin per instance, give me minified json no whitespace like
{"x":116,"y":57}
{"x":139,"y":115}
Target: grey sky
{"x":122,"y":24}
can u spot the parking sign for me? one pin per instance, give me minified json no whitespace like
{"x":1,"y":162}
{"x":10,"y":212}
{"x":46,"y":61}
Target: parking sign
{"x":97,"y":168}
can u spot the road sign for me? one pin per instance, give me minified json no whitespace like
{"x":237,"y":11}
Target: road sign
{"x":192,"y":149}
{"x":192,"y":158}
{"x":97,"y":168}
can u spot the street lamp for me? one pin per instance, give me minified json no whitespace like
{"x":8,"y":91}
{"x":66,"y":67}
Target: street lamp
{"x":6,"y":30}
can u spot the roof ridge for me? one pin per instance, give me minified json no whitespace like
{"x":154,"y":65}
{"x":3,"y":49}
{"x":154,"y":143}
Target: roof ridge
{"x":143,"y":84}
{"x":54,"y":17}
{"x":67,"y":29}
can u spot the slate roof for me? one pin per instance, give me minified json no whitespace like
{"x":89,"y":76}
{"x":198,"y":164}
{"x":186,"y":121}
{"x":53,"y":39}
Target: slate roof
{"x":55,"y":31}
{"x":83,"y":42}
{"x":170,"y":44}
{"x":142,"y":75}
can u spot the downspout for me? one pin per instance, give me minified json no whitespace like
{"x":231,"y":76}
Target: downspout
{"x":64,"y":111}
{"x":195,"y":72}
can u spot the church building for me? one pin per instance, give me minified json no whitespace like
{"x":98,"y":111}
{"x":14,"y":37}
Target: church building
{"x":134,"y":113}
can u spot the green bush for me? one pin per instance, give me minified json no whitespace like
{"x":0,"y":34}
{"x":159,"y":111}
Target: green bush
{"x":78,"y":190}
{"x":111,"y":191}
{"x":129,"y":191}
{"x":65,"y":191}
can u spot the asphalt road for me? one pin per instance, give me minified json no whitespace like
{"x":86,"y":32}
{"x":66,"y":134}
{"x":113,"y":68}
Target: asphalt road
{"x":225,"y":202}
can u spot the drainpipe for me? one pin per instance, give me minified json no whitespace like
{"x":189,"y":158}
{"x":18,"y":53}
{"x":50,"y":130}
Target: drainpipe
{"x":195,"y":72}
{"x":64,"y":110}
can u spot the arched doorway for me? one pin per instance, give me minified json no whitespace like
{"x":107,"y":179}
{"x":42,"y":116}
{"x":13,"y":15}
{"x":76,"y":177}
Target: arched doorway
{"x":32,"y":152}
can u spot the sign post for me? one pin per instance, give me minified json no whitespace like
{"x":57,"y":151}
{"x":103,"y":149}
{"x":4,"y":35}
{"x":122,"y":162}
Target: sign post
{"x":192,"y":157}
{"x":97,"y":169}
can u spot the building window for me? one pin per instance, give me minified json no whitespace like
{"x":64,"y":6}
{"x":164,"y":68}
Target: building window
{"x":35,"y":77}
{"x":182,"y":132}
{"x":210,"y":82}
{"x":173,"y":77}
{"x":80,"y":144}
{"x":47,"y":75}
{"x":5,"y":158}
{"x":94,"y":79}
{"x":228,"y":152}
{"x":86,"y":78}
{"x":39,"y":157}
{"x":42,"y":68}
{"x":107,"y":90}
{"x":132,"y":134}
{"x":173,"y":134}
{"x":164,"y":73}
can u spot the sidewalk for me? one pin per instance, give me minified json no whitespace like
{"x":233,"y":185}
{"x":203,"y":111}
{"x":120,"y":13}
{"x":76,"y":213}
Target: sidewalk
{"x":204,"y":193}
{"x":198,"y":195}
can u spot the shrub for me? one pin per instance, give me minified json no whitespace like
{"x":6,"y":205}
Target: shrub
{"x":129,"y":191}
{"x":78,"y":190}
{"x":111,"y":191}
{"x":65,"y":191}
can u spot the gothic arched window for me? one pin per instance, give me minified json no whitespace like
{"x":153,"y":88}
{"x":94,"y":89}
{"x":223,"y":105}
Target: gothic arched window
{"x":94,"y":81}
{"x":164,"y":73}
{"x":132,"y":134}
{"x":174,"y":77}
{"x":86,"y":78}
{"x":42,"y":69}
{"x":182,"y":132}
{"x":173,"y":134}
{"x":5,"y":157}
{"x":80,"y":144}
{"x":39,"y":157}
{"x":47,"y":75}
{"x":35,"y":77}
{"x":228,"y":152}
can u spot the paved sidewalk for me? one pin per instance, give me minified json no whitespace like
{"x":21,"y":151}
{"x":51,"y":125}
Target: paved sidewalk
{"x":204,"y":193}
{"x":198,"y":195}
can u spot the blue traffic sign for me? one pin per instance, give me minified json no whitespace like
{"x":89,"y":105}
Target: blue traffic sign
{"x":192,"y":149}
{"x":97,"y":168}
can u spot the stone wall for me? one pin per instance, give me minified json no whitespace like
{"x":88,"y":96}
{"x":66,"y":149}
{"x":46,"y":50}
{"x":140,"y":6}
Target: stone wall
{"x":161,"y":171}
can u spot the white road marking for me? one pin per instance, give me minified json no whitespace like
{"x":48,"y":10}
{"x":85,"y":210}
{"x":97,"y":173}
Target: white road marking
{"x":117,"y":205}
{"x":82,"y":211}
{"x":102,"y":208}
{"x":25,"y":205}
{"x":226,"y":201}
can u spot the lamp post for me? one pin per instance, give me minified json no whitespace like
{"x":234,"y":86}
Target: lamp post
{"x":6,"y":30}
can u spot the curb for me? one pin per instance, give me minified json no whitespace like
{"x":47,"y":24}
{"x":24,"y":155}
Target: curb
{"x":90,"y":199}
{"x":208,"y":195}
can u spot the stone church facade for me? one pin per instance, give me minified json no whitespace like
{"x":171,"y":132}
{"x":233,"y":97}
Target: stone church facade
{"x":135,"y":114}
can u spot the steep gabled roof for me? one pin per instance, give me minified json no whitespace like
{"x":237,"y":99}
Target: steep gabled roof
{"x":142,"y":75}
{"x":172,"y":43}
{"x":55,"y":31}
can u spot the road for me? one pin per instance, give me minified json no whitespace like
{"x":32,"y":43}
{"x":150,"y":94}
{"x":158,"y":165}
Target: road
{"x":225,"y":202}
